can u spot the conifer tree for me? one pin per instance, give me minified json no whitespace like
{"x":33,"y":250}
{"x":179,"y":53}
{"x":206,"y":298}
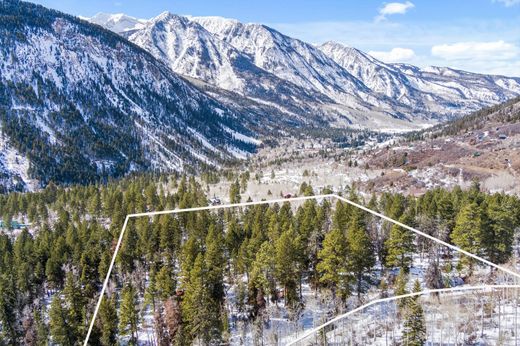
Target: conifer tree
{"x":8,"y":308}
{"x":165,"y":282}
{"x":215,"y":263}
{"x":360,"y":249}
{"x":234,"y":192}
{"x":61,"y":334}
{"x":42,"y":330}
{"x":263,"y":270}
{"x":128,"y":253}
{"x":107,"y":321}
{"x":414,"y":328}
{"x":201,"y":312}
{"x":75,"y":300}
{"x":341,"y":216}
{"x":333,"y":262}
{"x":400,"y":245}
{"x":286,"y":265}
{"x":400,"y":288}
{"x":128,"y":313}
{"x":467,"y":233}
{"x":498,"y":237}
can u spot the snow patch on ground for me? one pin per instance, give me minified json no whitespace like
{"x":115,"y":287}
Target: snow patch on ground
{"x":15,"y":165}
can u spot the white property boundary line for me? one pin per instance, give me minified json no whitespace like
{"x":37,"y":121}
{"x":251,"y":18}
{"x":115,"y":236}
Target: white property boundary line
{"x":312,"y":331}
{"x":280,"y":200}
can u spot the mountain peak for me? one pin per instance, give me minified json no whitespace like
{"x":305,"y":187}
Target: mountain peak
{"x":333,"y":44}
{"x":154,"y":119}
{"x":118,"y":22}
{"x":166,"y":15}
{"x":253,"y":60}
{"x":215,"y":19}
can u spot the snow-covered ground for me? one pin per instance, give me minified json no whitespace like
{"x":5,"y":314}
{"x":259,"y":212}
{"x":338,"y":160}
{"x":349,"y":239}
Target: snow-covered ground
{"x":15,"y":166}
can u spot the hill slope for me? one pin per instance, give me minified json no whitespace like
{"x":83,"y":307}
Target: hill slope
{"x":189,"y":49}
{"x":351,"y":88}
{"x":482,"y":146}
{"x":431,"y":90}
{"x":80,"y":103}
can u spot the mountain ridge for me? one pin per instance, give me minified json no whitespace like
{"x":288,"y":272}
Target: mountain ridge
{"x":361,"y":88}
{"x":81,"y":103}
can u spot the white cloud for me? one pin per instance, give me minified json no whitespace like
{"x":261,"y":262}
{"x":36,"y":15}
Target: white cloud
{"x":396,"y":8}
{"x":394,"y":55}
{"x":508,"y":3}
{"x":494,"y":50}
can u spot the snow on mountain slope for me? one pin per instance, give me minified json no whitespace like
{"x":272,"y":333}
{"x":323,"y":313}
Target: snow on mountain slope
{"x":298,"y":62}
{"x":81,"y":103}
{"x":349,"y":87}
{"x":434,"y":90}
{"x":375,"y":74}
{"x":382,"y":86}
{"x":118,"y":22}
{"x":487,"y":88}
{"x":192,"y":51}
{"x":14,"y":169}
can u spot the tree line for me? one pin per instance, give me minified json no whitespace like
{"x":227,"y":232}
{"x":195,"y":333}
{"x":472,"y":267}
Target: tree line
{"x":180,"y":269}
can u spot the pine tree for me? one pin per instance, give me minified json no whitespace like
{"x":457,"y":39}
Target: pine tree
{"x":169,"y":235}
{"x":263,"y":272}
{"x":332,"y":265}
{"x":128,"y":253}
{"x":165,"y":283}
{"x":400,"y":288}
{"x":107,"y":321}
{"x":74,"y":301}
{"x":360,"y":249}
{"x":128,"y":313}
{"x":286,"y":265}
{"x":202,"y":321}
{"x":467,"y":233}
{"x":400,"y":245}
{"x":61,"y":334}
{"x":215,"y":263}
{"x":8,"y":309}
{"x":414,"y":328}
{"x":42,"y":330}
{"x":234,"y":192}
{"x":341,"y":216}
{"x":498,"y":236}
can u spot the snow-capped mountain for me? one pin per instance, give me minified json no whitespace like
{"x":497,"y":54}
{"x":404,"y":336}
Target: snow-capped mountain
{"x":118,"y":22}
{"x":432,"y":89}
{"x":79,"y":103}
{"x":365,"y":92}
{"x":192,"y":51}
{"x":295,"y":61}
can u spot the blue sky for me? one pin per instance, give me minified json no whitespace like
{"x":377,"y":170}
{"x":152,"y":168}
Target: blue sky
{"x":476,"y":35}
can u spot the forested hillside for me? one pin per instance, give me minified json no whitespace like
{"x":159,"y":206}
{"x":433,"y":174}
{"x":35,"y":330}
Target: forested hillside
{"x":220,"y":276}
{"x":505,"y":113}
{"x":82,"y":104}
